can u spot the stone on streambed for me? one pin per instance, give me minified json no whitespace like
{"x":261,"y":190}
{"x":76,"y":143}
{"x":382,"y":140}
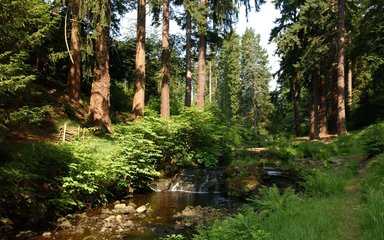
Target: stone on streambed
{"x":192,"y":216}
{"x":141,"y":209}
{"x":122,"y":208}
{"x":47,"y":234}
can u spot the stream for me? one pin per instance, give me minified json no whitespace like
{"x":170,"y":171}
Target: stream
{"x":195,"y":197}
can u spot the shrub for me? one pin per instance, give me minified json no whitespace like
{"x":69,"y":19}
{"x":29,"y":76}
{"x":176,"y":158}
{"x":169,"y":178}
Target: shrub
{"x":29,"y":182}
{"x":110,"y":167}
{"x":240,"y":227}
{"x":194,"y":138}
{"x":270,"y":200}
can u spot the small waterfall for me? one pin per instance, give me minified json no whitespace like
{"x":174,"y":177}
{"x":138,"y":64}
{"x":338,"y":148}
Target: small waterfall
{"x":199,"y":181}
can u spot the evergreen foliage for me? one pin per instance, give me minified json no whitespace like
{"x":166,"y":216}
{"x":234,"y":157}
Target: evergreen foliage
{"x":255,"y":107}
{"x":230,"y":85}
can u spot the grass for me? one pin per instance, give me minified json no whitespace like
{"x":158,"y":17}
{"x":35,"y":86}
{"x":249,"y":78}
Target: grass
{"x":372,"y":215}
{"x":371,"y":210}
{"x":311,"y":219}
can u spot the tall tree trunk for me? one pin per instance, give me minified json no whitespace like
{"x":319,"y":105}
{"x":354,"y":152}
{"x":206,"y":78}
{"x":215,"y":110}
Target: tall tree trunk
{"x":350,"y":96}
{"x":295,"y":94}
{"x":139,"y":89}
{"x":323,"y":107}
{"x":255,"y":118}
{"x":75,"y":66}
{"x":314,"y":120}
{"x":201,"y":66}
{"x":296,"y":112}
{"x":188,"y":77}
{"x":100,"y":92}
{"x":333,"y":118}
{"x":164,"y":108}
{"x":341,"y":121}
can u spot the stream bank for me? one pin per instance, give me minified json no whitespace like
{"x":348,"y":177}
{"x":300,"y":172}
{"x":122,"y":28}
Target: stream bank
{"x":146,"y":216}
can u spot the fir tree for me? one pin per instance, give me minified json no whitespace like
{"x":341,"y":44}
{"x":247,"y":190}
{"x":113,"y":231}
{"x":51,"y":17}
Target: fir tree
{"x":255,"y":76}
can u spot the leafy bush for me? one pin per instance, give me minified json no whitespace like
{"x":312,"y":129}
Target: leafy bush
{"x":194,"y":138}
{"x":29,"y":182}
{"x":108,"y":168}
{"x":207,"y":135}
{"x":240,"y":227}
{"x":270,"y":200}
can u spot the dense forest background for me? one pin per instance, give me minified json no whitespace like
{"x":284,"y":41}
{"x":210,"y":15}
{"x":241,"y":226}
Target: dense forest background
{"x":70,"y":50}
{"x":87,"y":114}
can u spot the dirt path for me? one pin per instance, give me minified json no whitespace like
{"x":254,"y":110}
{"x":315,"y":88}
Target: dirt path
{"x":350,"y":226}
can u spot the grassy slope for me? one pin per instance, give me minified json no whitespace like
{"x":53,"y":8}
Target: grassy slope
{"x":344,"y":197}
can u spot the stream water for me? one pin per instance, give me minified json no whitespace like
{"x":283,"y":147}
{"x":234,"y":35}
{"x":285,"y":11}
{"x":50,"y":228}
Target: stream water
{"x":194,"y":197}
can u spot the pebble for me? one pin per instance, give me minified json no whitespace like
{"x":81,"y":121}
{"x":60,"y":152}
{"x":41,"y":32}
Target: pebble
{"x":47,"y":234}
{"x":120,"y":206}
{"x":141,"y":209}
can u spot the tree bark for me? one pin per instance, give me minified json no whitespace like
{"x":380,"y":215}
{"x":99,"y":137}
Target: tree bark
{"x":201,"y":66}
{"x":188,"y":77}
{"x":255,"y":118}
{"x":139,"y":89}
{"x":295,"y":93}
{"x":100,"y":92}
{"x":164,"y":108}
{"x":333,"y":117}
{"x":323,"y":128}
{"x":350,"y":96}
{"x":314,"y":120}
{"x":341,"y":120}
{"x":75,"y":66}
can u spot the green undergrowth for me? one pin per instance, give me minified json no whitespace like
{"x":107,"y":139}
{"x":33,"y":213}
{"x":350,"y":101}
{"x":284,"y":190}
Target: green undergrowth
{"x":341,"y":198}
{"x":372,"y":204}
{"x":319,"y":212}
{"x":39,"y":181}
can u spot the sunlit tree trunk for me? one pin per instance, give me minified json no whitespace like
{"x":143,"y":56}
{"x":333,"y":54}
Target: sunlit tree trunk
{"x":164,"y":108}
{"x":188,"y":77}
{"x":139,"y":90}
{"x":350,"y":96}
{"x":74,"y":70}
{"x":201,"y":65}
{"x":333,"y":117}
{"x":341,"y":121}
{"x":100,"y":92}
